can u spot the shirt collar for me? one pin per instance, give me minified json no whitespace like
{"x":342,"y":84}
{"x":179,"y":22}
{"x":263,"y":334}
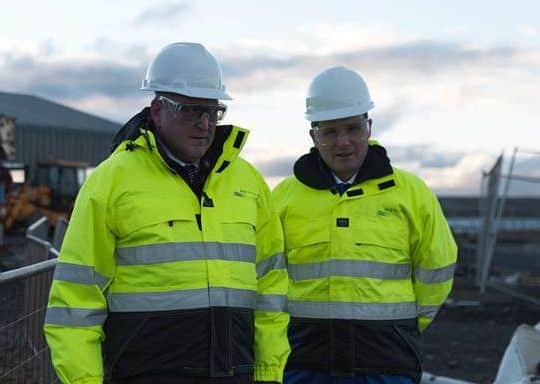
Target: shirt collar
{"x":350,"y":180}
{"x":176,"y":159}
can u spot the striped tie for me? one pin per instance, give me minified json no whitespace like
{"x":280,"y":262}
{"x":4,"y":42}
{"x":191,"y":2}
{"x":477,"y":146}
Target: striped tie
{"x":190,"y":172}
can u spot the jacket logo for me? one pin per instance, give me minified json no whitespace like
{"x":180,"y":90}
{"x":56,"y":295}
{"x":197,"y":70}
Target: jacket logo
{"x":244,"y":193}
{"x":387,"y":211}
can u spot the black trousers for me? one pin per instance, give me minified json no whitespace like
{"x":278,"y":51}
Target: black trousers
{"x":244,"y":379}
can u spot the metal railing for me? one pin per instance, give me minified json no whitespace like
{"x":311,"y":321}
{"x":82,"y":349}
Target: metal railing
{"x":24,"y":355}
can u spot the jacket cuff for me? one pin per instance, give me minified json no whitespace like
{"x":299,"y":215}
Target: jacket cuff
{"x":268,"y":373}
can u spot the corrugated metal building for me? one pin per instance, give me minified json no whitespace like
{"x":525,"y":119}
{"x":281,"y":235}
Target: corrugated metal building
{"x":45,"y":130}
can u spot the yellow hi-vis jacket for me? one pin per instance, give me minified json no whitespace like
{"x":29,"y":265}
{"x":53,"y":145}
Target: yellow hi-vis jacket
{"x":365,"y":267}
{"x":175,"y":279}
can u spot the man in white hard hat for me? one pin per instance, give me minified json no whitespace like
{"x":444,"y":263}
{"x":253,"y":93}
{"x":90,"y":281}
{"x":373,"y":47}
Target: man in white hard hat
{"x":172,"y":265}
{"x":369,"y":253}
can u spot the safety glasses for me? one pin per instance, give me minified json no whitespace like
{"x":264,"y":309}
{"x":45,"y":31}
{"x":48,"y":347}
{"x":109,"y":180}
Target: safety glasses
{"x":189,"y":111}
{"x":354,"y":131}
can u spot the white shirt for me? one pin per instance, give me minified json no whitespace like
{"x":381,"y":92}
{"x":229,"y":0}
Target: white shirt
{"x":349,"y":181}
{"x":177,"y":160}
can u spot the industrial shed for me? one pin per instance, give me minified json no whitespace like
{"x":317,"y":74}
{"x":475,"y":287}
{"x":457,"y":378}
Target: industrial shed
{"x":45,"y":130}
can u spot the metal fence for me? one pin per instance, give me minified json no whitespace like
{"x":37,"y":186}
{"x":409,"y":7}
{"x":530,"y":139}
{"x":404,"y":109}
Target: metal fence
{"x":24,"y":355}
{"x":508,"y":256}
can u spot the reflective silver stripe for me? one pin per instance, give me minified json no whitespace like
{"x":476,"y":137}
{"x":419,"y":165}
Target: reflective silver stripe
{"x":272,"y":303}
{"x":184,"y":299}
{"x":81,"y":274}
{"x":433,"y":276}
{"x":168,"y":252}
{"x":358,"y":311}
{"x":428,"y":310}
{"x":349,"y":268}
{"x":75,"y":317}
{"x":276,"y":261}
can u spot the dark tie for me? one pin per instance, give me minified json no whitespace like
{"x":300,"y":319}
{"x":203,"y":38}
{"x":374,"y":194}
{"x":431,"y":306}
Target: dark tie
{"x":342,"y":187}
{"x":190,"y":173}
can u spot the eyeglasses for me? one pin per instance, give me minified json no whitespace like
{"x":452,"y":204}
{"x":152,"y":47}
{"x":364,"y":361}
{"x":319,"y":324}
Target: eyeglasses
{"x":194,"y":111}
{"x":356,"y":131}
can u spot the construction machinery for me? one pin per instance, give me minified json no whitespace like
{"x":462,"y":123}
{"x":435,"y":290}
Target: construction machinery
{"x":50,"y":192}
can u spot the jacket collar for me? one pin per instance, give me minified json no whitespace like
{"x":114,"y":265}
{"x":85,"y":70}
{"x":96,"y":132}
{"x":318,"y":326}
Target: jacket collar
{"x":312,"y":171}
{"x":139,"y":132}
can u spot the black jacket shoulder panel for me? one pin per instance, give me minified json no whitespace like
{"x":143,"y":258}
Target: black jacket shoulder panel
{"x":132,"y":128}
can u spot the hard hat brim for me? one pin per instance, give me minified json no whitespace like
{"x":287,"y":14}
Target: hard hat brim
{"x":341,"y":113}
{"x":202,"y":93}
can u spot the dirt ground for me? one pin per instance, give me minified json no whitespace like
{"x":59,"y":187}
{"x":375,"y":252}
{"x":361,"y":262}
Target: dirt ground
{"x":468,"y":338}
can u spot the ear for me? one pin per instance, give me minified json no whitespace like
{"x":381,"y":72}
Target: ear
{"x":370,"y":123}
{"x":312,"y":134}
{"x":155,"y":112}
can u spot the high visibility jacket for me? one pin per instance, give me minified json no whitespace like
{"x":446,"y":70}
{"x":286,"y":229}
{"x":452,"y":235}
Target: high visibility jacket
{"x":172,"y":285}
{"x":368,"y":269}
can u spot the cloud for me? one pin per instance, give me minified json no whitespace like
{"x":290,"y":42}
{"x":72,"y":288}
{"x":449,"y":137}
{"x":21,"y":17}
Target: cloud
{"x":423,"y":156}
{"x":420,"y":58}
{"x":410,"y":77}
{"x":455,"y":173}
{"x":399,"y":64}
{"x":279,"y":167}
{"x":163,"y":13}
{"x":340,"y":37}
{"x":384,"y":119}
{"x":69,"y":78}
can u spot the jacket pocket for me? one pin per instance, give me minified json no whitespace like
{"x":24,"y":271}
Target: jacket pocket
{"x":390,"y":230}
{"x":160,"y":219}
{"x":239,"y":221}
{"x":381,"y":244}
{"x":303,"y":234}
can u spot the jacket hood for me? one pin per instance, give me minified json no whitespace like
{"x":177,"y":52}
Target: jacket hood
{"x":132,"y":128}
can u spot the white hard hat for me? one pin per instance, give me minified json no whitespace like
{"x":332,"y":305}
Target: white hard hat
{"x":186,"y":69}
{"x":337,"y":93}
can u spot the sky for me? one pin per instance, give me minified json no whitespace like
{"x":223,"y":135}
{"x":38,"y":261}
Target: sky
{"x":455,"y":84}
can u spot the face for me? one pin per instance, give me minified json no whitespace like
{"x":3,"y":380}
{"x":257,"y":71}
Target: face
{"x":186,"y":124}
{"x":342,"y":143}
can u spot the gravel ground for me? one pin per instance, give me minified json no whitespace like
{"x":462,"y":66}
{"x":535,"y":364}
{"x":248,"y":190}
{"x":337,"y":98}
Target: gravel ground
{"x":467,"y":342}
